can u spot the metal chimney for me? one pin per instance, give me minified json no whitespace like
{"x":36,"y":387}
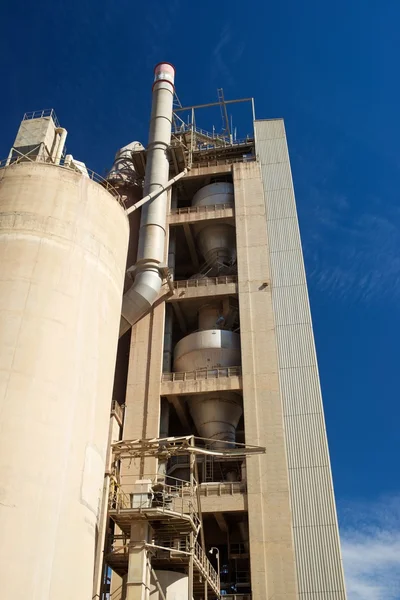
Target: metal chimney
{"x":140,"y":297}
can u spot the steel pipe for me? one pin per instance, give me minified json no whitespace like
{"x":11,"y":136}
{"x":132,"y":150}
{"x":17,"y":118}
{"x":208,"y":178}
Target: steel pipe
{"x":157,"y":193}
{"x":139,"y":299}
{"x":63,"y":136}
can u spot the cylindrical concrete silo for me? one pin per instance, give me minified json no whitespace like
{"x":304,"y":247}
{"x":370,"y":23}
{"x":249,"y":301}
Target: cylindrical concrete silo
{"x":63,"y":244}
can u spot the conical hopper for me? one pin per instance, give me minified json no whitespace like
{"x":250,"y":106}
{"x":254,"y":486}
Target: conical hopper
{"x":216,"y":416}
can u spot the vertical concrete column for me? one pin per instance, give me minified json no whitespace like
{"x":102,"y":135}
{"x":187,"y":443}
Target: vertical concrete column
{"x":273,"y":572}
{"x":138,"y":579}
{"x":315,"y":527}
{"x":142,"y":403}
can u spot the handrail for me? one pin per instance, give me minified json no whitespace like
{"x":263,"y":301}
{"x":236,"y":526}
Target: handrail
{"x":201,"y":208}
{"x":201,"y":281}
{"x":223,"y":488}
{"x":167,"y":498}
{"x":205,"y":565}
{"x":220,"y":160}
{"x":213,"y":137}
{"x":39,"y":114}
{"x":202,"y":374}
{"x":8,"y":163}
{"x":118,"y":409}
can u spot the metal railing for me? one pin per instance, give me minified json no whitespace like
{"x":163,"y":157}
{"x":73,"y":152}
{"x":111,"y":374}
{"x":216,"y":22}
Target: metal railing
{"x":220,"y":141}
{"x":9,"y":163}
{"x":224,"y":488}
{"x":202,"y":374}
{"x":118,"y":409}
{"x":207,"y":281}
{"x":179,"y":499}
{"x":184,"y":210}
{"x":184,"y":128}
{"x":39,"y":114}
{"x":218,"y":161}
{"x":205,"y":566}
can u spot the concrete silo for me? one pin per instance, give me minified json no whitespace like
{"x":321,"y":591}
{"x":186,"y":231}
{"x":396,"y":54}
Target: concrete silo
{"x":63,"y":245}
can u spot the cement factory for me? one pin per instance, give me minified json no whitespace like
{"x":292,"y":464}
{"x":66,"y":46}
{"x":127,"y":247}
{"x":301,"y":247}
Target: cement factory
{"x":162,"y":428}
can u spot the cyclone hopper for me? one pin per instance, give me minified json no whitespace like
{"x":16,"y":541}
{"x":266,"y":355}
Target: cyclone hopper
{"x":216,"y":415}
{"x":216,"y":240}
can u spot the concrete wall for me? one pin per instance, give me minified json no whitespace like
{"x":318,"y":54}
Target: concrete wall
{"x":318,"y":557}
{"x":63,"y":244}
{"x":142,"y":402}
{"x":273,"y":573}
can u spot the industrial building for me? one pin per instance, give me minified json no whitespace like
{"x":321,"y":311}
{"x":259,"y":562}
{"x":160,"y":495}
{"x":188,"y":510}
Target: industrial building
{"x":162,"y":428}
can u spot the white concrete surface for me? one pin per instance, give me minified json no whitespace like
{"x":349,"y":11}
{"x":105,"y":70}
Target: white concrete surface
{"x":63,"y":244}
{"x":315,"y":528}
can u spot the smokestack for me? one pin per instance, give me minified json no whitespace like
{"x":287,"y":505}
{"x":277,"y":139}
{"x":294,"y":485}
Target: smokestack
{"x":139,"y":299}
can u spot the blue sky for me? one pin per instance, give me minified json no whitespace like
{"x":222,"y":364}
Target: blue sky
{"x":331,"y":70}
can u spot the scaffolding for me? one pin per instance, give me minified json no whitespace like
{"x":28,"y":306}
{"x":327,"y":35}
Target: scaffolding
{"x":169,"y":507}
{"x":194,"y":147}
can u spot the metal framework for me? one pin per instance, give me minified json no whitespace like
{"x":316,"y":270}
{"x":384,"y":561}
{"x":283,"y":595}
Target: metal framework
{"x":173,"y":446}
{"x":192,"y":146}
{"x":170,"y":506}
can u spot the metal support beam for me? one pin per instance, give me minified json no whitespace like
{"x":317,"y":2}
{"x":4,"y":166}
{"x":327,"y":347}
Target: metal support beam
{"x":212,"y":104}
{"x":157,"y":192}
{"x":180,"y":409}
{"x":222,"y":524}
{"x":192,"y":459}
{"x":191,"y":245}
{"x":172,"y":151}
{"x":179,"y":316}
{"x":158,"y":586}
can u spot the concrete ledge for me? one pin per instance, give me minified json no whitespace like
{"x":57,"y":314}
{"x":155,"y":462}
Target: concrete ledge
{"x":204,"y":288}
{"x":200,"y":382}
{"x":219,"y":497}
{"x":194,"y":214}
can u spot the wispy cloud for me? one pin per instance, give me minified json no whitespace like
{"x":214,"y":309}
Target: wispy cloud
{"x":370,"y":537}
{"x":353,"y":256}
{"x":225,"y":55}
{"x":160,"y":21}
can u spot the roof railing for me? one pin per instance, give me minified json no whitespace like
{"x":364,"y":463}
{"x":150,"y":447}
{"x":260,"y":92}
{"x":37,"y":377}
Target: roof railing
{"x":35,"y":158}
{"x":201,"y":208}
{"x":204,"y":281}
{"x":39,"y":114}
{"x":202,"y":374}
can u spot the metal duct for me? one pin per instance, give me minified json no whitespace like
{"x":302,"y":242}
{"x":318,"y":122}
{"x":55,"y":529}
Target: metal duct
{"x":123,"y":172}
{"x":61,"y":144}
{"x":140,"y":297}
